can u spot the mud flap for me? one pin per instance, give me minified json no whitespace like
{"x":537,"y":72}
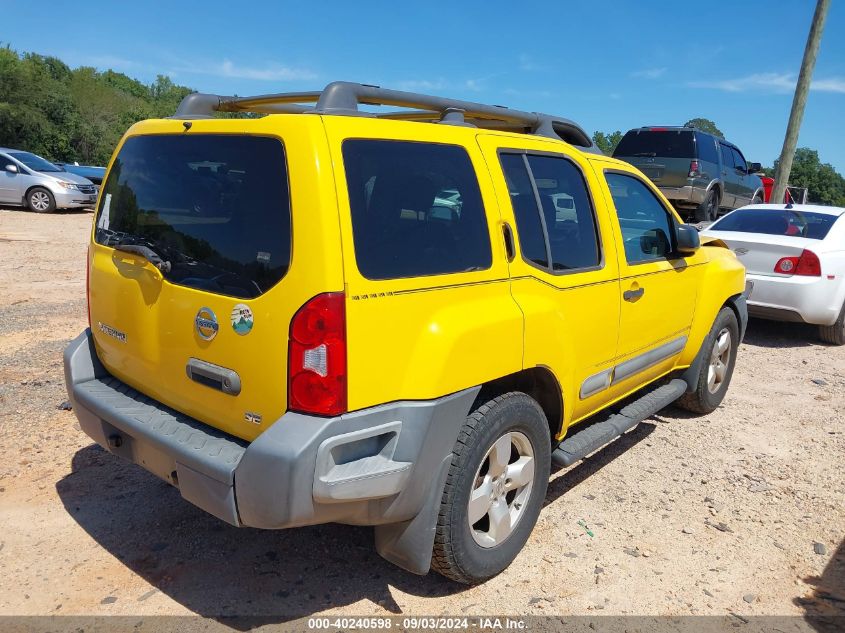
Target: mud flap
{"x":409,"y":544}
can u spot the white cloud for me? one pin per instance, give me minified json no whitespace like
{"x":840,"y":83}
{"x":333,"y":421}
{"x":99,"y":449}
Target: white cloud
{"x":778,"y":83}
{"x":227,"y":68}
{"x":650,"y":73}
{"x":423,"y":85}
{"x":831,"y":84}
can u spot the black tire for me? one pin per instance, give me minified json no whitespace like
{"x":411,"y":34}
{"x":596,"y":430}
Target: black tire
{"x":834,"y":334}
{"x":40,"y":200}
{"x":708,"y":210}
{"x":708,"y":395}
{"x":457,"y":552}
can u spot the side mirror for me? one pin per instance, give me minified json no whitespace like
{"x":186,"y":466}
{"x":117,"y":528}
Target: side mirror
{"x":12,"y":169}
{"x":687,"y":239}
{"x":753,"y":168}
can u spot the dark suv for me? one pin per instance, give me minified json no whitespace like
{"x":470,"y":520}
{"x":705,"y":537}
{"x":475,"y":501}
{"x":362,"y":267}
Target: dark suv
{"x":698,"y":172}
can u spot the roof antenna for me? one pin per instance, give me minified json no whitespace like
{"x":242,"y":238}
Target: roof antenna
{"x":187,"y":125}
{"x":789,"y":204}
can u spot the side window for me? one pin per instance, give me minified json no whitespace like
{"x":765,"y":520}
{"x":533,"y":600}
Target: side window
{"x":645,"y":223}
{"x":562,"y":226}
{"x":706,"y":148}
{"x":416,"y":209}
{"x":568,"y":214}
{"x":532,"y":241}
{"x":739,"y":161}
{"x":727,"y":156}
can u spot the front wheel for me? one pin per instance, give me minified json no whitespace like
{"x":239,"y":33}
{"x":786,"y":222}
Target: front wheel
{"x":495,"y":489}
{"x":717,"y":367}
{"x":40,"y":200}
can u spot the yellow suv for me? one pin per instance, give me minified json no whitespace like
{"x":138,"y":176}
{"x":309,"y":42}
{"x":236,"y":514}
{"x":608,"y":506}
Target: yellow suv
{"x":398,"y":318}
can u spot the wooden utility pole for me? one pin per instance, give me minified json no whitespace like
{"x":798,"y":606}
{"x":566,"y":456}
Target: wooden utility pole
{"x":790,"y":141}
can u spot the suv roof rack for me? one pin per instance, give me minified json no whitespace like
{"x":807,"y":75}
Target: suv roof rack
{"x":343,"y":98}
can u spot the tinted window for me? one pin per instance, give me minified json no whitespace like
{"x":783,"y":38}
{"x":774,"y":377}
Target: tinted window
{"x":706,"y":148}
{"x":646,"y":226}
{"x":739,"y":161}
{"x":216,"y":207}
{"x":665,"y":144}
{"x":416,"y":209}
{"x":567,"y":212}
{"x":777,"y":222}
{"x":529,"y":230}
{"x":727,"y":156}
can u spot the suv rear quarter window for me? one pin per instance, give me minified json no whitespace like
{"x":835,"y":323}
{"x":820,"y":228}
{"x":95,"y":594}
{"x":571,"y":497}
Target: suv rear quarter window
{"x":706,"y":148}
{"x":416,"y":209}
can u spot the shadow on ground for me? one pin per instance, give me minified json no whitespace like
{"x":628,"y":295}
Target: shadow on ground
{"x":220,"y":571}
{"x":776,"y":334}
{"x":825,"y":606}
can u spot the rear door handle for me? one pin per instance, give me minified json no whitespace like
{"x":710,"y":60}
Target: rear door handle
{"x":633,"y":295}
{"x":507,"y":233}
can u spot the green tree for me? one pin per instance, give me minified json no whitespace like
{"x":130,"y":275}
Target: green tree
{"x":824,"y":184}
{"x":607,"y":142}
{"x":705,"y":125}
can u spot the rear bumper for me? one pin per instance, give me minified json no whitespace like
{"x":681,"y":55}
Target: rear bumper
{"x":814,"y":300}
{"x":371,"y":467}
{"x":688,"y":194}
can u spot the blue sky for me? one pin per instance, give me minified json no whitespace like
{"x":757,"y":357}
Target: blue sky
{"x":606,"y":64}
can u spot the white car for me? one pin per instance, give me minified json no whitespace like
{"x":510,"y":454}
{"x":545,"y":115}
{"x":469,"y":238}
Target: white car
{"x":794,"y":256}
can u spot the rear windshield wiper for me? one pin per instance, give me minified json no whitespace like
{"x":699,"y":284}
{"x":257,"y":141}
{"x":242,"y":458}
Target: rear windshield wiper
{"x":652,"y":154}
{"x":147,"y":253}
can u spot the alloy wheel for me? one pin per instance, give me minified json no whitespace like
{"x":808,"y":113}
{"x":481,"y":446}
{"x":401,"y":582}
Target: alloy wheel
{"x":501,"y":489}
{"x":719,"y":359}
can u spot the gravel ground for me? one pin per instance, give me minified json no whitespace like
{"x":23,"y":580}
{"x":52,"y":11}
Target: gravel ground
{"x":739,"y":512}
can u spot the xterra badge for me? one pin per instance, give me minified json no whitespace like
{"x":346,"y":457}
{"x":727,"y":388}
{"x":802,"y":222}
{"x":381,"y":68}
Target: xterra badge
{"x":110,"y":331}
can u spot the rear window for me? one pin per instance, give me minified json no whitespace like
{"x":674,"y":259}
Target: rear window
{"x":663,"y":144}
{"x":416,"y":209}
{"x":777,"y":222}
{"x":216,"y":207}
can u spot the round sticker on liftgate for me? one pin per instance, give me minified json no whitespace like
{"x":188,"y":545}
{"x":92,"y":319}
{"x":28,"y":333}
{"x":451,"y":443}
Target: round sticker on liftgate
{"x":242,"y":319}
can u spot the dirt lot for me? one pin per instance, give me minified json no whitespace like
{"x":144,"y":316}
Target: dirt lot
{"x":741,"y":511}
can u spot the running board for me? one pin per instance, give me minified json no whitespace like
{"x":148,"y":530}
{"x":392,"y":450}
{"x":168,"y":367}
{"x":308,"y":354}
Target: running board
{"x":592,"y":438}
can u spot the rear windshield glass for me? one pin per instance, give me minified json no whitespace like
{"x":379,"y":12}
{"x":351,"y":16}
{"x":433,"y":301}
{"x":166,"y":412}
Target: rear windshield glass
{"x":215,"y":207}
{"x":777,"y":222}
{"x":666,"y":144}
{"x":416,"y":209}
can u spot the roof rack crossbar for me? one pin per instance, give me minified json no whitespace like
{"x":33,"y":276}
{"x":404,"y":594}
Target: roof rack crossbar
{"x":343,"y":98}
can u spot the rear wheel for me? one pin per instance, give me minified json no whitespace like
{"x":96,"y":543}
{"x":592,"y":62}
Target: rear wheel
{"x":494,"y":490}
{"x":717,"y":367}
{"x":834,"y":334}
{"x":40,"y":200}
{"x":708,"y":210}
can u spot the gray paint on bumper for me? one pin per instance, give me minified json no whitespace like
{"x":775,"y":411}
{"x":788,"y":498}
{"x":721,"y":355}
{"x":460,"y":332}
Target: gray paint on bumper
{"x":379,"y":466}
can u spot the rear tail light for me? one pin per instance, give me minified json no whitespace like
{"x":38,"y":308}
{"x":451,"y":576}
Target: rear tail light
{"x":807,"y":265}
{"x":693,"y":169}
{"x":317,"y":356}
